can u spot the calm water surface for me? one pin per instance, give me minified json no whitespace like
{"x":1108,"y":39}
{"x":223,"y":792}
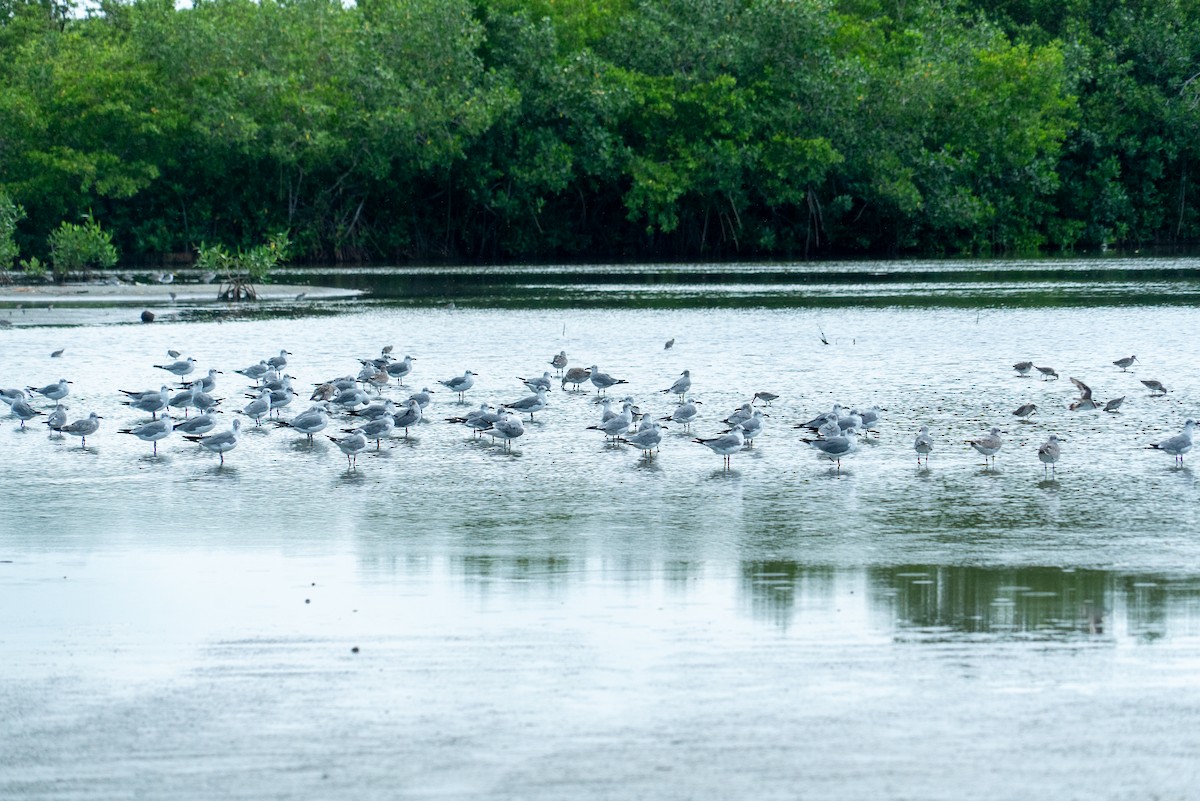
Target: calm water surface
{"x":569,"y":620}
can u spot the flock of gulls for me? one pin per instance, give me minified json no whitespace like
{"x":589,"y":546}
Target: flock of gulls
{"x":355,"y":407}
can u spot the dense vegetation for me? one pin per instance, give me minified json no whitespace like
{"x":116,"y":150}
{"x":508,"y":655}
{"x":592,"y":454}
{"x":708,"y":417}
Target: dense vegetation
{"x":503,"y":129}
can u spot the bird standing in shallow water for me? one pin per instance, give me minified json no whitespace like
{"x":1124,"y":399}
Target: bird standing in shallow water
{"x":1155,"y":387}
{"x":1125,"y":363}
{"x":923,"y":444}
{"x":1177,"y":445}
{"x":1023,"y":368}
{"x":1048,"y":452}
{"x":1024,"y":410}
{"x":725,"y":445}
{"x":988,"y":445}
{"x":1048,"y":373}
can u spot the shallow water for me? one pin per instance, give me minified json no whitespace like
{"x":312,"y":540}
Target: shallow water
{"x":571,"y":620}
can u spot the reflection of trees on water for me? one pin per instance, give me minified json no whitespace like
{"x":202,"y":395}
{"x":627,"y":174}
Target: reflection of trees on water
{"x":777,"y":590}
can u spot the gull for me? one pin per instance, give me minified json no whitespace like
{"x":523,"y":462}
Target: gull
{"x":835,"y":448}
{"x":313,"y":419}
{"x":179,"y":368}
{"x":24,"y":411}
{"x":1155,"y":387}
{"x":260,"y":407}
{"x":183,"y":400}
{"x":1085,"y":397}
{"x":850,"y":422}
{"x":152,"y":402}
{"x":409,"y":416}
{"x":55,"y":392}
{"x":460,"y":384}
{"x":219,"y":443}
{"x":868,"y":417}
{"x":1125,"y":363}
{"x":1048,"y":372}
{"x":1024,"y":411}
{"x":422,"y":397}
{"x":255,"y":371}
{"x":351,"y":397}
{"x":681,"y":385}
{"x":646,"y":439}
{"x":57,"y":418}
{"x":822,"y":419}
{"x":507,"y":428}
{"x":559,"y":361}
{"x":576,"y":376}
{"x":740,"y":415}
{"x":1023,"y":368}
{"x":375,"y":429}
{"x":477,"y":420}
{"x":82,"y":428}
{"x":684,"y":413}
{"x":531,"y":403}
{"x":765,"y":397}
{"x":324,"y":392}
{"x":11,"y":395}
{"x":752,"y":427}
{"x":153,"y":431}
{"x":602,"y":381}
{"x":535,"y":384}
{"x":988,"y":445}
{"x":386,"y":350}
{"x":725,"y":445}
{"x":618,"y":424}
{"x":1114,"y":404}
{"x":1177,"y":445}
{"x":200,"y":424}
{"x":923,"y":444}
{"x":279,"y":398}
{"x":379,"y":380}
{"x":279,"y":362}
{"x":376,"y":410}
{"x":203,"y":401}
{"x":1048,"y":453}
{"x":205,"y":383}
{"x":398,"y":370}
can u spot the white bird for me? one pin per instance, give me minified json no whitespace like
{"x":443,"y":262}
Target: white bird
{"x":725,"y":445}
{"x":684,"y":413}
{"x":260,"y":407}
{"x":507,"y":428}
{"x":753,"y":427}
{"x":351,"y":445}
{"x":57,"y":418}
{"x":531,"y":403}
{"x":646,"y":439}
{"x":534,"y":384}
{"x":618,"y":424}
{"x":179,"y":368}
{"x":83,"y":428}
{"x":220,"y":443}
{"x":1179,"y":444}
{"x":153,"y":431}
{"x":460,"y":384}
{"x":422,"y":397}
{"x":398,"y":370}
{"x":740,"y":415}
{"x":989,"y":445}
{"x":681,"y":385}
{"x":923,"y":444}
{"x":255,"y":371}
{"x":375,"y":429}
{"x":279,"y":362}
{"x":1049,"y":451}
{"x":835,"y":448}
{"x":22,"y":410}
{"x":602,"y":381}
{"x":56,"y":391}
{"x":313,"y":419}
{"x":409,"y":416}
{"x":152,"y":402}
{"x":205,"y":383}
{"x":200,"y":424}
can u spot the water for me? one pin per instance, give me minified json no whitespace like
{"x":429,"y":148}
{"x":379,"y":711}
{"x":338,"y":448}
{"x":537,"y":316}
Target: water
{"x":569,"y":620}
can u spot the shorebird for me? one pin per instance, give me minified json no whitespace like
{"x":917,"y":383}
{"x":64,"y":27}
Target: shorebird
{"x":1125,"y":363}
{"x":153,"y":431}
{"x":460,"y":383}
{"x":1023,"y":368}
{"x":1049,"y":451}
{"x":83,"y":428}
{"x":725,"y":445}
{"x":219,"y":443}
{"x":1155,"y":387}
{"x":835,"y":448}
{"x":602,"y":381}
{"x":1177,"y":445}
{"x":1085,"y":401}
{"x":1024,"y":410}
{"x":765,"y":397}
{"x":989,"y":445}
{"x":681,"y":385}
{"x":670,"y":343}
{"x":1048,"y":372}
{"x":559,"y":361}
{"x":1114,"y":404}
{"x":923,"y":444}
{"x":576,"y":376}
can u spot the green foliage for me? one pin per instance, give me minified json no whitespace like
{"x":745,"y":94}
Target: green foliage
{"x":590,"y":128}
{"x":10,"y":214}
{"x":241,"y":270}
{"x":77,"y":248}
{"x":33,"y":267}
